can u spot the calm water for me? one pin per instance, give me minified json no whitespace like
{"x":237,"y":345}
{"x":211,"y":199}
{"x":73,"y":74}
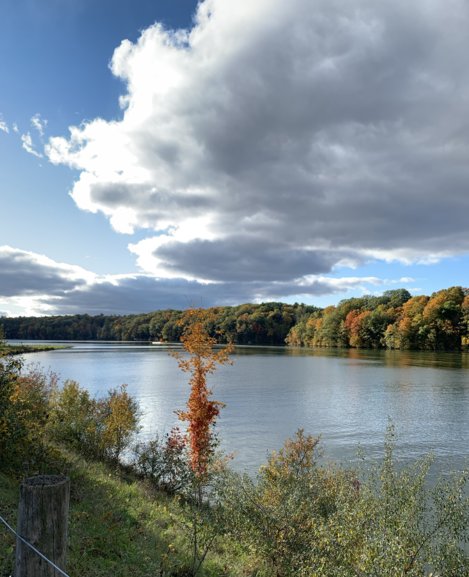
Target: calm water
{"x":346,"y":396}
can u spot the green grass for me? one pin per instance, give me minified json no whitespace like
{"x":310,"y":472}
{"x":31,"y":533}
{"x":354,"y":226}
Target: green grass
{"x":119,"y":526}
{"x":21,"y":349}
{"x":8,"y":505}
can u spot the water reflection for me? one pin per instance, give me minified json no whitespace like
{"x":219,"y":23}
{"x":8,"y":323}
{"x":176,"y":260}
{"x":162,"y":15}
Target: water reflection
{"x":347,"y":396}
{"x":457,"y":360}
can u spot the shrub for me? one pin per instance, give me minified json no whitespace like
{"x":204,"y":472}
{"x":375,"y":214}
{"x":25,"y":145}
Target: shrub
{"x":74,"y":419}
{"x":118,"y":419}
{"x":282,"y":515}
{"x":98,"y":428}
{"x":303,"y":519}
{"x":164,"y":461}
{"x":11,"y":428}
{"x":24,"y":409}
{"x":404,"y":526}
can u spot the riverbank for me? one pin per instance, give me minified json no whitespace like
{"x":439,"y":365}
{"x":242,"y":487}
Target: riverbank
{"x":6,"y":349}
{"x":118,"y":526}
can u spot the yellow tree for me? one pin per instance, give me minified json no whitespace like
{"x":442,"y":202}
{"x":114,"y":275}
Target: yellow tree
{"x":119,"y":421}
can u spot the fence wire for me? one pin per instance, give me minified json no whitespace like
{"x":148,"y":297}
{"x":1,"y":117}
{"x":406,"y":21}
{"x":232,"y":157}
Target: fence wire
{"x":23,"y":540}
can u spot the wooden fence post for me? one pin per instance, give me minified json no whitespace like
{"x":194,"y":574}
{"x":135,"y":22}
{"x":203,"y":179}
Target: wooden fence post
{"x":42,"y":521}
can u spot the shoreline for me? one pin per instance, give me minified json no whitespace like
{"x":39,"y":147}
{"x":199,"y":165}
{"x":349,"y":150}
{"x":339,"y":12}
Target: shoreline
{"x":9,"y":350}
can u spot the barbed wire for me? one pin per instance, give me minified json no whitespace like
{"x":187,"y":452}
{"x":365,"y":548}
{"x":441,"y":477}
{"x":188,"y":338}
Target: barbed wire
{"x":23,"y":540}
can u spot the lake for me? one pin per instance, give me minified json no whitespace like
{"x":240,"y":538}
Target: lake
{"x":345,"y":396}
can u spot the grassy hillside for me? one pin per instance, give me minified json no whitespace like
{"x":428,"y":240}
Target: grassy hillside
{"x":119,"y":526}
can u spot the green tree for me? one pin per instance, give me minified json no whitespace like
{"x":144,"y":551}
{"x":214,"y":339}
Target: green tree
{"x":332,"y":331}
{"x":443,"y":319}
{"x":465,"y":321}
{"x":396,"y":298}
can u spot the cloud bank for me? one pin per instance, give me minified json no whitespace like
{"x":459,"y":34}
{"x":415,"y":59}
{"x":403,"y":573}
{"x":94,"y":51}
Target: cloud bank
{"x":37,"y":285}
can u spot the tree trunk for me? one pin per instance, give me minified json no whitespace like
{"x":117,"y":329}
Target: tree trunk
{"x":42,"y":522}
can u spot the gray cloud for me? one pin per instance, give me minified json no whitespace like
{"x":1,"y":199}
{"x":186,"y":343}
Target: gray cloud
{"x":245,"y":258}
{"x":27,"y":274}
{"x":131,"y":295}
{"x":144,"y":294}
{"x":141,"y":197}
{"x":38,"y":285}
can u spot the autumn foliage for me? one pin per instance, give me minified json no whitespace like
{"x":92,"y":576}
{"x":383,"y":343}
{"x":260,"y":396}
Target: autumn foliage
{"x":395,"y":320}
{"x":200,"y":361}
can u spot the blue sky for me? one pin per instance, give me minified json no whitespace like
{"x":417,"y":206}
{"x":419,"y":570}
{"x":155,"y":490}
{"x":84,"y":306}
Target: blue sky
{"x":164,"y":154}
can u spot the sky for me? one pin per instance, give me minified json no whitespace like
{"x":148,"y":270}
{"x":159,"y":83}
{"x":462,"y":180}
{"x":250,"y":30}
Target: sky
{"x":166,"y":154}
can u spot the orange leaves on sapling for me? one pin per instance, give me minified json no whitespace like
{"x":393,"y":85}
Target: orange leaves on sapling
{"x":202,"y":360}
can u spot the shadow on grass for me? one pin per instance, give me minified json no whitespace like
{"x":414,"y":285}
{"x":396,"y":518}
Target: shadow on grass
{"x":118,"y":526}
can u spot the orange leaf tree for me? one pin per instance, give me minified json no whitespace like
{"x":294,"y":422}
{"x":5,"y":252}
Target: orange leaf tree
{"x":202,"y":360}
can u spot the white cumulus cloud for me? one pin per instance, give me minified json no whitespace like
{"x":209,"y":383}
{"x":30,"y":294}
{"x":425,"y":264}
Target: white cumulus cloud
{"x":275,"y":140}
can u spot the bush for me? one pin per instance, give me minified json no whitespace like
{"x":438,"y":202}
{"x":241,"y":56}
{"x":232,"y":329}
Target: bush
{"x":303,"y":519}
{"x":283,"y":514}
{"x":11,"y":428}
{"x":404,"y":526}
{"x":74,"y":419}
{"x":24,"y":409}
{"x":98,"y":428}
{"x":164,"y":461}
{"x":118,"y":419}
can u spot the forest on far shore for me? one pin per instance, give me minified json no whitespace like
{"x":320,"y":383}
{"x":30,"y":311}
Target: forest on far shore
{"x":394,"y":320}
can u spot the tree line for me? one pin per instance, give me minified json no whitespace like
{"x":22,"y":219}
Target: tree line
{"x":247,"y":324}
{"x":394,"y":320}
